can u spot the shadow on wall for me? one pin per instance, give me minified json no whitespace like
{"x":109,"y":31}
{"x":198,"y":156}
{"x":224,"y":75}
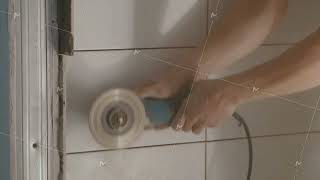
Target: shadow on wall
{"x":4,"y":93}
{"x":167,"y":28}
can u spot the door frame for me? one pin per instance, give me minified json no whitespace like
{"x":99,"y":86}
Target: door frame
{"x":33,"y":67}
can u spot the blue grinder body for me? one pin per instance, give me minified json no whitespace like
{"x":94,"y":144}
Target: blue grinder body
{"x":162,"y":111}
{"x":159,"y":112}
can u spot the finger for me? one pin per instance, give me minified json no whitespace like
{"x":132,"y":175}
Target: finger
{"x":179,"y":123}
{"x":179,"y":119}
{"x":198,"y":127}
{"x":212,"y":123}
{"x":160,"y":127}
{"x":201,"y":76}
{"x":198,"y":130}
{"x":150,"y":89}
{"x":190,"y":121}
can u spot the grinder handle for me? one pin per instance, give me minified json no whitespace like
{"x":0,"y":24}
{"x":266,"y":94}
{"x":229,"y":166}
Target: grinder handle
{"x":158,"y":111}
{"x":162,"y":111}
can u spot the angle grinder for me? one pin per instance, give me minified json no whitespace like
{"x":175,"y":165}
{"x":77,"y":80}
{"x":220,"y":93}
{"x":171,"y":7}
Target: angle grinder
{"x":119,"y":116}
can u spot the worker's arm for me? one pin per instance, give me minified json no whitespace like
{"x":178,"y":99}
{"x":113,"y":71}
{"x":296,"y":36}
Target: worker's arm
{"x":295,"y":70}
{"x":240,"y":31}
{"x":244,"y":27}
{"x":212,"y":101}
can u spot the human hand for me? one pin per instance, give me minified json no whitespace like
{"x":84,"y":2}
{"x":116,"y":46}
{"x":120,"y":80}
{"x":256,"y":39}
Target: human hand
{"x":167,"y":86}
{"x":210,"y":102}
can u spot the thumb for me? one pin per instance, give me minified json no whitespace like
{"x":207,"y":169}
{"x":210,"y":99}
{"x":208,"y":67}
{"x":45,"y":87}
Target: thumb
{"x":180,"y":118}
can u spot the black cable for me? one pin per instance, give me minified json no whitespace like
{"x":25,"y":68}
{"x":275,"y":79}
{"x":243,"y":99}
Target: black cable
{"x":241,"y":120}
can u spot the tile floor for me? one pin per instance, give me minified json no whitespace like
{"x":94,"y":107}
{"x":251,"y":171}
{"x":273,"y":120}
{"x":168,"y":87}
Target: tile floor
{"x":278,"y":124}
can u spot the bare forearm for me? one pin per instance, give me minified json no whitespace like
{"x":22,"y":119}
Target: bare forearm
{"x":295,"y":70}
{"x":244,"y":27}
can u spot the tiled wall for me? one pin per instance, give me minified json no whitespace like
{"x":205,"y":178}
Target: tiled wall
{"x":112,"y":30}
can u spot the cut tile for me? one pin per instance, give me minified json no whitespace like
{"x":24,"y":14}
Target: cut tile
{"x":274,"y":158}
{"x":138,"y":24}
{"x":311,"y":160}
{"x":179,"y":162}
{"x":88,"y":74}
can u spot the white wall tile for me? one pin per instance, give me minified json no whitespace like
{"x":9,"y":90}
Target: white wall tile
{"x":274,"y":158}
{"x":180,"y":162}
{"x":218,"y":8}
{"x":277,"y":115}
{"x":302,"y":18}
{"x":89,"y":74}
{"x":309,"y":170}
{"x":316,"y":121}
{"x":262,"y":55}
{"x":267,"y":117}
{"x":101,"y":24}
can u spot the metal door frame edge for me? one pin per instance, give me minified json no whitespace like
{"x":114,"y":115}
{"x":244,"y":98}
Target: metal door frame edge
{"x":31,"y":82}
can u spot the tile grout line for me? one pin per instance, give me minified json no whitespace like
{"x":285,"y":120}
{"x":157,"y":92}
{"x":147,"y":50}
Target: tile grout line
{"x":167,"y":62}
{"x":265,"y":136}
{"x":135,"y":48}
{"x":301,"y":154}
{"x":233,"y":83}
{"x":230,"y":82}
{"x":206,"y":129}
{"x":280,"y":44}
{"x":182,"y":121}
{"x":207,"y":18}
{"x":313,"y":107}
{"x":205,"y":138}
{"x":187,"y":68}
{"x":205,"y":154}
{"x":197,"y":142}
{"x":173,"y":144}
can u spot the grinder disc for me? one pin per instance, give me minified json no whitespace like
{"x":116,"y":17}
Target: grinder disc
{"x":117,"y":118}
